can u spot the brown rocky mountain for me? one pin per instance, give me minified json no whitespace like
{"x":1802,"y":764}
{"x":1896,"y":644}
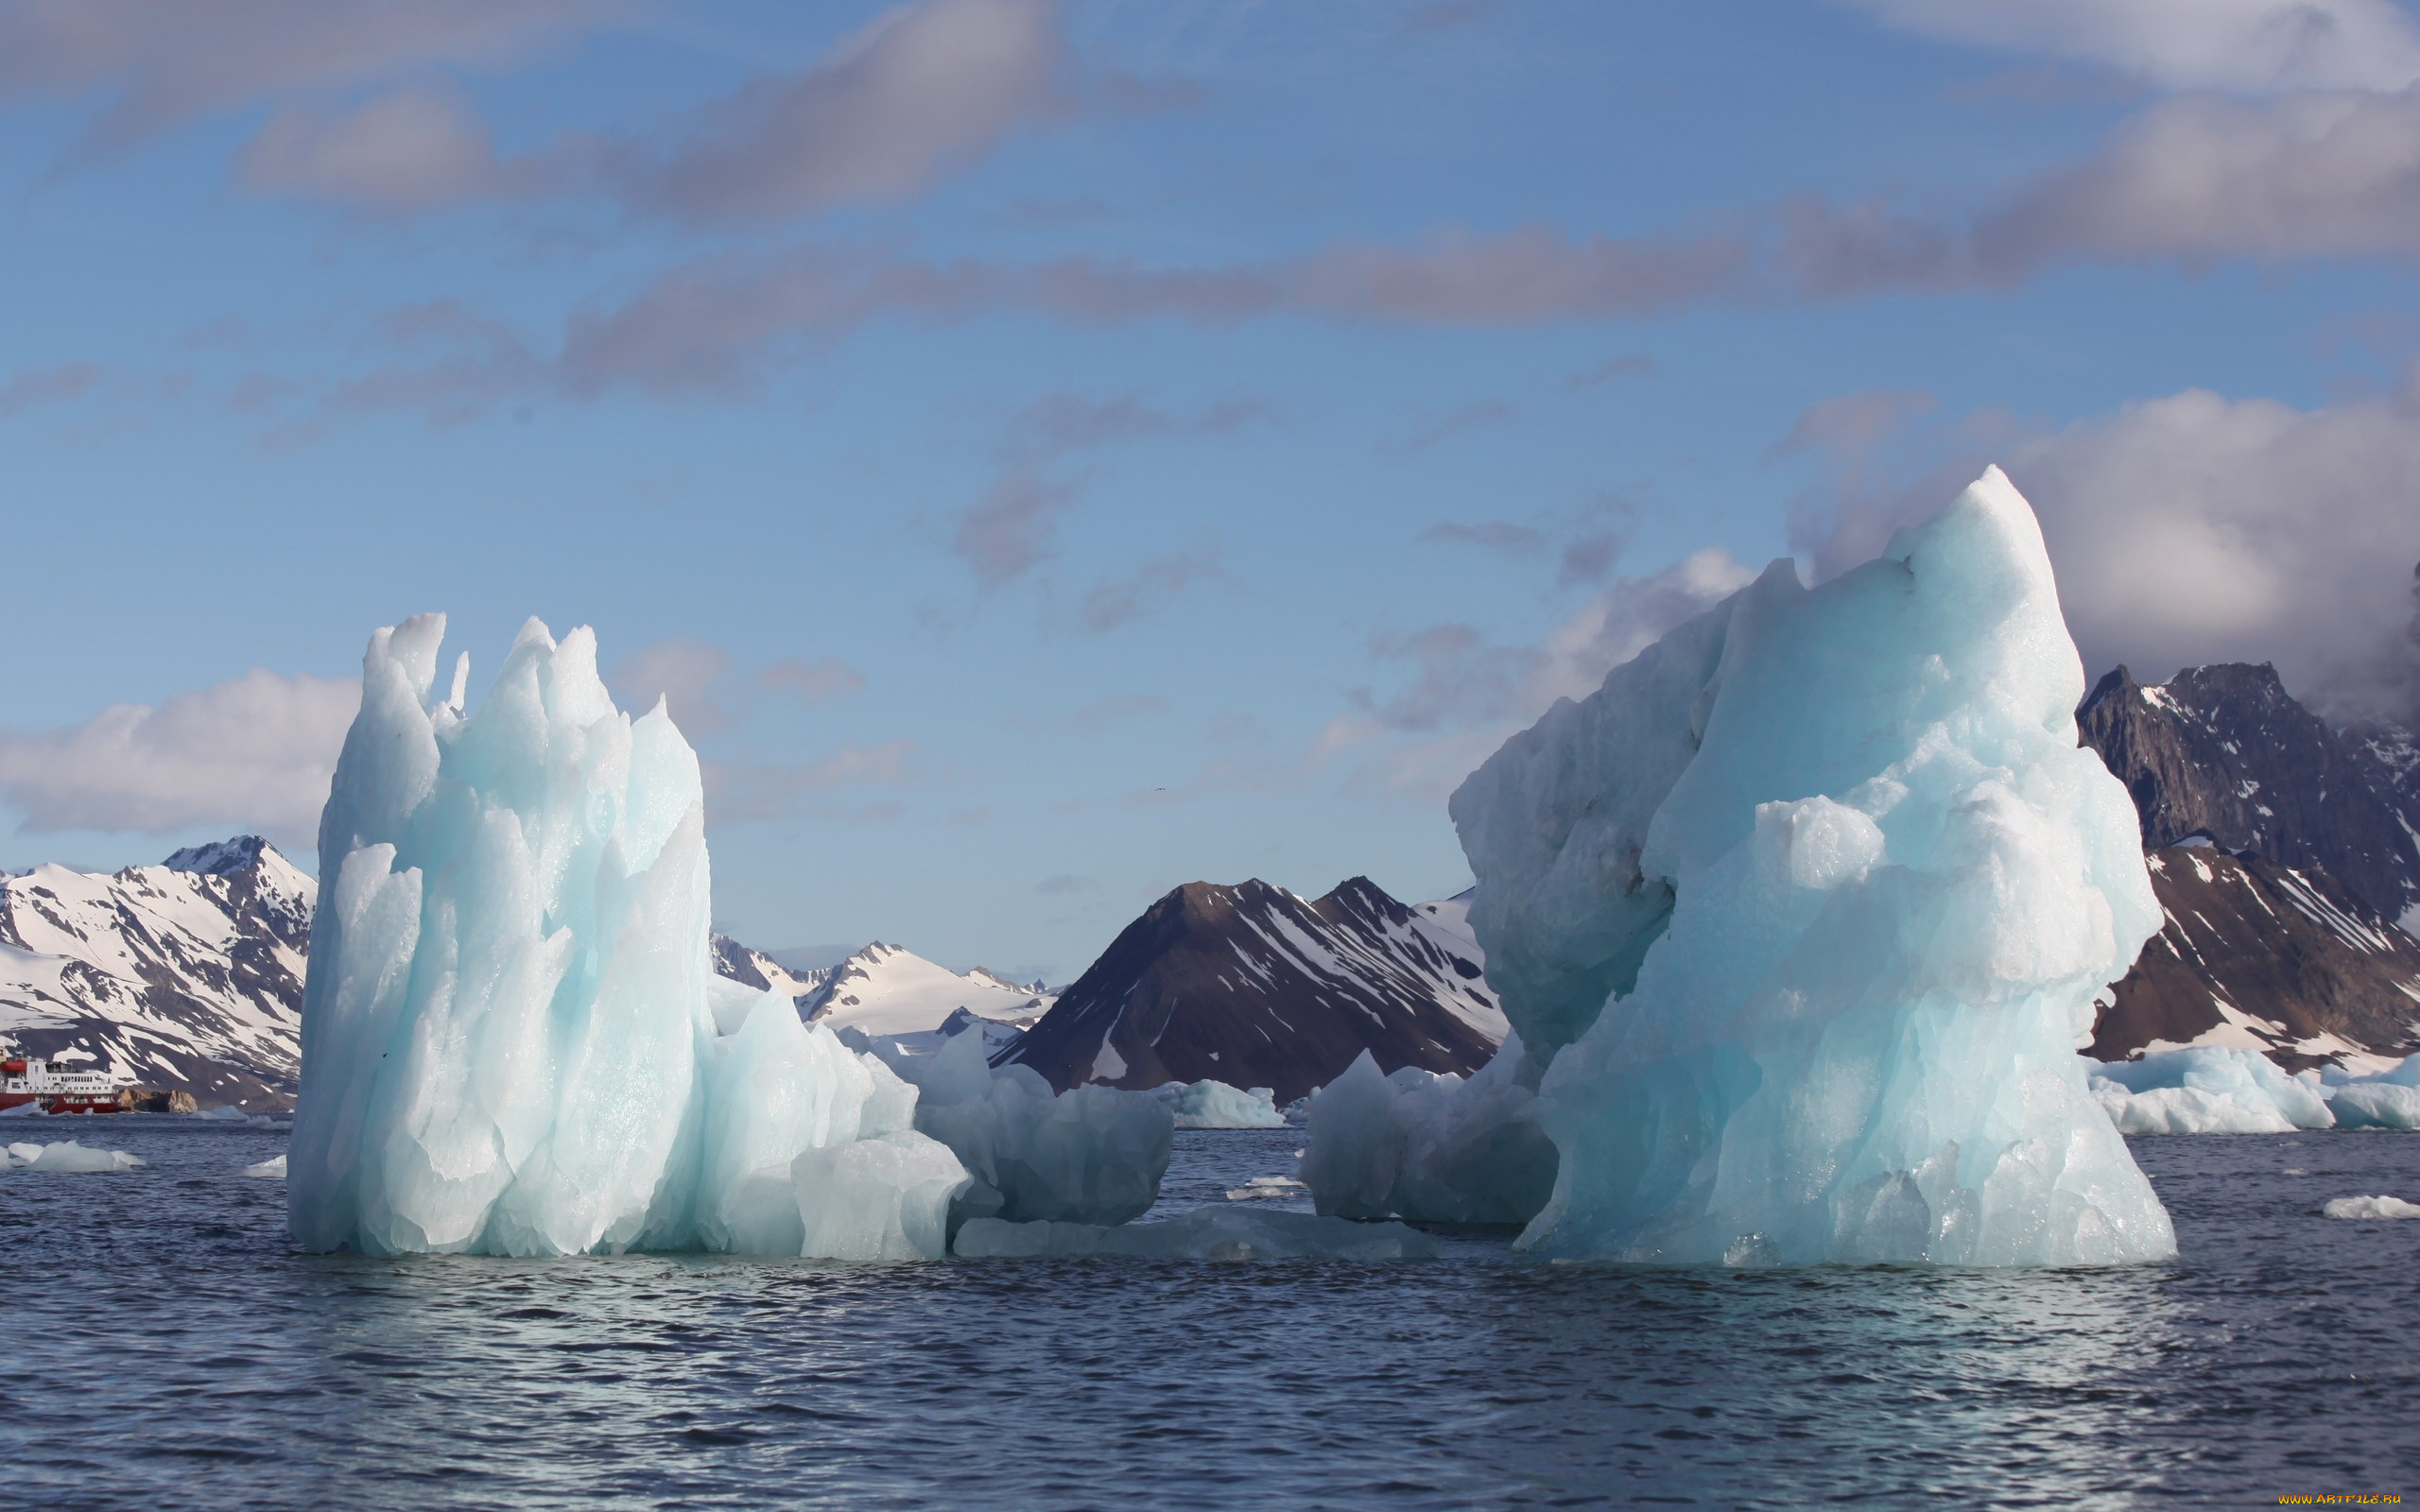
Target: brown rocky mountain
{"x":2285,"y":852}
{"x":2225,"y":751}
{"x":2264,"y":955}
{"x":1258,"y":987}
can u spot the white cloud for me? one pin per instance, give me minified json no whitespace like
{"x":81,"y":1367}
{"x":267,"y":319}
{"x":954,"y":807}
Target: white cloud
{"x":253,"y":752}
{"x":2235,"y":44}
{"x":2195,"y":528}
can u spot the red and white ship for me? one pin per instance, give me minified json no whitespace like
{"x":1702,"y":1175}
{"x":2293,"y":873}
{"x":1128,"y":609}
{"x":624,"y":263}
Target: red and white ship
{"x":58,"y":1090}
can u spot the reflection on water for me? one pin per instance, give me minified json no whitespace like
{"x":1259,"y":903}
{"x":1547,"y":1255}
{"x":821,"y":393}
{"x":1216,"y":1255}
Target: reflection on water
{"x":167,"y":1346}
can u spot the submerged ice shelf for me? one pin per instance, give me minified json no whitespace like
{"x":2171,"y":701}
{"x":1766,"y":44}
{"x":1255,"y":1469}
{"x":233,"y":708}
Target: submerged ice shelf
{"x":1799,"y":917}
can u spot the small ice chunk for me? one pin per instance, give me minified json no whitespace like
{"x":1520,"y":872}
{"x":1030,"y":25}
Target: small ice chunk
{"x":2374,"y":1104}
{"x":1206,"y":1234}
{"x":25,"y":1154}
{"x":1087,"y":1155}
{"x":1416,"y":1145}
{"x":273,"y":1170}
{"x":71,"y":1156}
{"x":2370,"y":1207}
{"x":1215,"y":1105}
{"x":1265,"y":1186}
{"x":883,"y":1198}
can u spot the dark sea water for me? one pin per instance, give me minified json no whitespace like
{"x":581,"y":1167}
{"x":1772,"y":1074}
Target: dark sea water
{"x":166,"y":1347}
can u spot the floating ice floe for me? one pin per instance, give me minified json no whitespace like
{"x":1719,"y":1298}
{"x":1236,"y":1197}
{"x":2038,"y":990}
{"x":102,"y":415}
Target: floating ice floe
{"x":1429,"y":1145}
{"x":512,"y":1038}
{"x":2370,"y":1207}
{"x":2206,"y":1089}
{"x":69,"y":1156}
{"x":1799,"y":917}
{"x":1206,"y":1234}
{"x":1216,"y":1105}
{"x":273,"y":1168}
{"x":2225,"y":1090}
{"x":1089,"y":1154}
{"x":1259,"y":1187}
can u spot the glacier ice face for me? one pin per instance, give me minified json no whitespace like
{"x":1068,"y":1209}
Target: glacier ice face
{"x":1216,"y":1105}
{"x":513,"y":1039}
{"x":1851,"y":885}
{"x":1418,"y":1145}
{"x":1090,"y":1155}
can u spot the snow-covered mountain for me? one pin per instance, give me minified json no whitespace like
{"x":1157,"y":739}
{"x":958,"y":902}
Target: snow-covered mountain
{"x":2260,"y":956}
{"x":2284,"y":851}
{"x":2225,"y":751}
{"x":884,"y":989}
{"x":186,"y":975}
{"x":1258,"y":987}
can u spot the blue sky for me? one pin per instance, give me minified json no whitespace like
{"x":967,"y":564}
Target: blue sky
{"x":1049,"y":452}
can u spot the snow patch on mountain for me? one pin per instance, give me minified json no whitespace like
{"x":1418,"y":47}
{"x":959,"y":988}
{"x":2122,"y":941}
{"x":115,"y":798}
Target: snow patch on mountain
{"x":887,"y":990}
{"x":186,"y":975}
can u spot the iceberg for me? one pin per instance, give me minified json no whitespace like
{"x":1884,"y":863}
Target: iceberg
{"x":1216,"y":1105}
{"x":513,"y":1039}
{"x":1206,"y":1234}
{"x":2206,"y":1089}
{"x":1431,"y":1147}
{"x":2388,"y":1099}
{"x":70,"y":1158}
{"x":2226,"y":1090}
{"x":1090,"y":1155}
{"x":2369,"y":1207}
{"x":1805,"y":909}
{"x":273,"y":1168}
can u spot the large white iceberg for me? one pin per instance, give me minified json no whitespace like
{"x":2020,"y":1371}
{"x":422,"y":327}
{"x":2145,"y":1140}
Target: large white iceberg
{"x":1809,"y":904}
{"x":513,"y":1039}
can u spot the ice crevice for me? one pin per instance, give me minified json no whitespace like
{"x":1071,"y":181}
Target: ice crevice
{"x":1797,"y":921}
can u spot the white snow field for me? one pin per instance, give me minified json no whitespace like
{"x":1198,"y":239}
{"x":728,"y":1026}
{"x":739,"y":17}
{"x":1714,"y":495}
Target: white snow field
{"x":1850,"y":884}
{"x":2225,"y":1089}
{"x":512,"y":1038}
{"x":1215,"y":1105}
{"x":889,"y":992}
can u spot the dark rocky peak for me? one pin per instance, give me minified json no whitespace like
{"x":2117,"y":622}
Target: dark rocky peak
{"x":221,"y":858}
{"x":1256,"y":985}
{"x":2226,"y":753}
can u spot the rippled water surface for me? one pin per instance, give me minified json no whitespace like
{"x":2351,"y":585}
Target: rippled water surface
{"x":166,"y":1345}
